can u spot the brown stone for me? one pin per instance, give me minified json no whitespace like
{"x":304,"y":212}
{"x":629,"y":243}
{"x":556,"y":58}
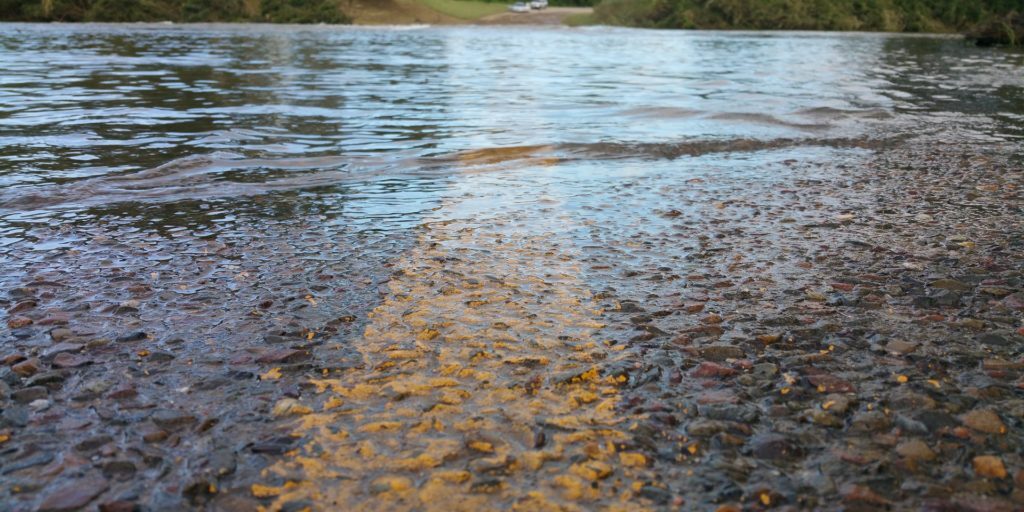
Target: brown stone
{"x":712,"y":370}
{"x":118,"y":506}
{"x":26,"y":368}
{"x":281,"y":355}
{"x":900,"y":347}
{"x":74,"y":495}
{"x":66,"y":360}
{"x":830,"y":384}
{"x":712,"y":319}
{"x":989,"y":466}
{"x":62,"y":347}
{"x":721,"y":352}
{"x":984,"y":420}
{"x":55,"y":319}
{"x":915,"y":449}
{"x":155,"y":436}
{"x":24,"y":305}
{"x":172,"y":419}
{"x":693,"y":307}
{"x":17,"y":322}
{"x":861,"y":493}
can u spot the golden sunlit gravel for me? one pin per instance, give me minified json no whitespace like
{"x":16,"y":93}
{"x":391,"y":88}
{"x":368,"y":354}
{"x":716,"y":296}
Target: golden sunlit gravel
{"x":482,"y":389}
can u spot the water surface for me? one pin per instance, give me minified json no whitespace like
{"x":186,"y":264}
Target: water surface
{"x":95,"y":119}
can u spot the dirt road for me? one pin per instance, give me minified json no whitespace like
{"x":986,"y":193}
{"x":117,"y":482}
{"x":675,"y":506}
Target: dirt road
{"x":549,"y":16}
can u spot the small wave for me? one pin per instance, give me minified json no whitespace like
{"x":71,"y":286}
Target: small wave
{"x":228,"y":175}
{"x":199,"y":177}
{"x":756,"y":118}
{"x":832,"y":113}
{"x":660,"y":112}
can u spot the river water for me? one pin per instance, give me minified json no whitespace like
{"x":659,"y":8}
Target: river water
{"x":506,"y":231}
{"x":97,"y":117}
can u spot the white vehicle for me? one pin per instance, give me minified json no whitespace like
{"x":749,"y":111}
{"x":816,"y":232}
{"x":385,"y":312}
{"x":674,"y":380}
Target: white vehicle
{"x":519,"y":7}
{"x":539,"y":4}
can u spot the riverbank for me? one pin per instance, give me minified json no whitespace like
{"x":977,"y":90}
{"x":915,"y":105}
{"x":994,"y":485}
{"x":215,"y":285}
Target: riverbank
{"x":361,"y":12}
{"x":989,"y":23}
{"x":460,"y":12}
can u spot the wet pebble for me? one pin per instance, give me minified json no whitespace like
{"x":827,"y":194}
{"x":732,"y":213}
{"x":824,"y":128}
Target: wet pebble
{"x":172,"y":419}
{"x":984,"y":420}
{"x":73,"y":495}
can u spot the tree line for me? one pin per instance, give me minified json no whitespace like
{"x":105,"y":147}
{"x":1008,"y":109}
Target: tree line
{"x":986,"y":21}
{"x":998,"y":19}
{"x":274,"y":11}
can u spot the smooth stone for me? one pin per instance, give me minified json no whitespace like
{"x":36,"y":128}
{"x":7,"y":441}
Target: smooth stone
{"x":984,"y":420}
{"x":171,"y":419}
{"x":720,"y":353}
{"x":26,"y":395}
{"x":915,"y":449}
{"x":775,"y":447}
{"x":74,"y":495}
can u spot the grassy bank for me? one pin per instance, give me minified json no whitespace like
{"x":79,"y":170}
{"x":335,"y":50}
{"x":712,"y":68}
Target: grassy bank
{"x":465,"y":10}
{"x":271,"y":11}
{"x":996,"y":17}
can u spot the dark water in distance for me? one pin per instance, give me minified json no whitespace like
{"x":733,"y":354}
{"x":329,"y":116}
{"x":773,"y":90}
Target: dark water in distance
{"x":185,"y":127}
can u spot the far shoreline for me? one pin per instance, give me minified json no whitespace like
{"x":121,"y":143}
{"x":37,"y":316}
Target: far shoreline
{"x":240,"y":24}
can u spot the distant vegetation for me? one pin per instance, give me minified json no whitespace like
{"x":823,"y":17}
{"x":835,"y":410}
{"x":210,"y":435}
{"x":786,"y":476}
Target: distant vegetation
{"x":273,"y":11}
{"x":996,"y":17}
{"x":985,"y":21}
{"x":276,"y":11}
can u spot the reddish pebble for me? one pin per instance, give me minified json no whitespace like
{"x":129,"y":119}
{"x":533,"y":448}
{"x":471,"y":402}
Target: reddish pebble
{"x":74,"y":495}
{"x":863,"y":494}
{"x":123,"y":391}
{"x":845,"y":287}
{"x":118,"y":506}
{"x":67,"y":360}
{"x":12,"y":358}
{"x":155,"y":437}
{"x":280,"y":356}
{"x":709,"y":369}
{"x":18,"y":322}
{"x":712,"y":319}
{"x":24,"y":305}
{"x":682,"y":339}
{"x":675,"y":377}
{"x":830,"y":384}
{"x":694,"y":307}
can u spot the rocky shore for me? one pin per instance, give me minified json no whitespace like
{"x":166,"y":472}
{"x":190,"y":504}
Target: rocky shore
{"x":832,"y":330}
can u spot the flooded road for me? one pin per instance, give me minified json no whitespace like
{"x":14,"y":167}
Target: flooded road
{"x":509,"y":268}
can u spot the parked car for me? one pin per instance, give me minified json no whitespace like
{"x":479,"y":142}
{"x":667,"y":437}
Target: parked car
{"x":519,"y":7}
{"x":539,"y":4}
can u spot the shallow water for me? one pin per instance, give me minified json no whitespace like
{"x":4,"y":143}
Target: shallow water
{"x":559,"y":246}
{"x":94,"y":118}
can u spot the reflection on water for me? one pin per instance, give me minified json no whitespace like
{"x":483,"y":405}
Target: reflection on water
{"x":94,"y":117}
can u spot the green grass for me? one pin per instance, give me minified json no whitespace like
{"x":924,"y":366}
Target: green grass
{"x":465,"y":9}
{"x":579,"y":20}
